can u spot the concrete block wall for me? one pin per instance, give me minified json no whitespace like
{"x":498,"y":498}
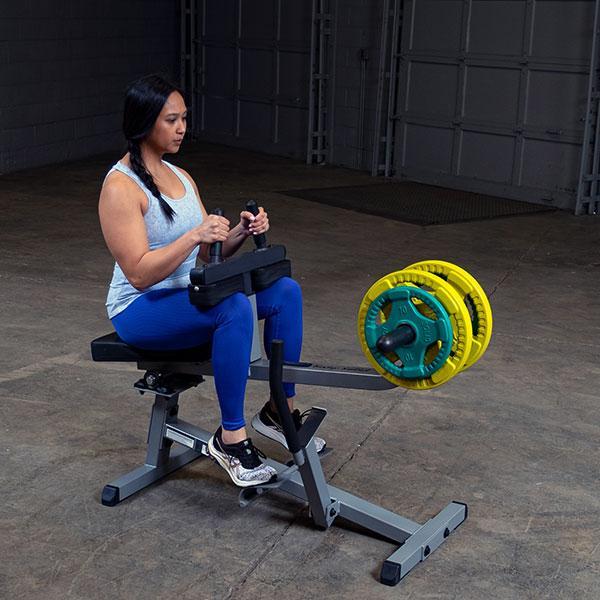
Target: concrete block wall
{"x":358,"y":27}
{"x":64,"y":66}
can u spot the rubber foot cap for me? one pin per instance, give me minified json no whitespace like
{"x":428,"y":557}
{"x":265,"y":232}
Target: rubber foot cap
{"x":110,"y":495}
{"x":390,"y":573}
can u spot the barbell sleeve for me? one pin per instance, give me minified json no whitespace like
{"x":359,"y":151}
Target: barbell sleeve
{"x":403,"y":335}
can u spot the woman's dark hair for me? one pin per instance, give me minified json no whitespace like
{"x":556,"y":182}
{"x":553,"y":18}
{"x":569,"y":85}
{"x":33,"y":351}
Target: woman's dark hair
{"x":144,"y":100}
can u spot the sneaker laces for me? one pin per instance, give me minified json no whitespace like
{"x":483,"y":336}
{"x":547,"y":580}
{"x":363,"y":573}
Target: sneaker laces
{"x":245,"y":453}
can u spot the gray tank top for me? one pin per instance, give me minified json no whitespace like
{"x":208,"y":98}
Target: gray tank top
{"x":161,"y":232}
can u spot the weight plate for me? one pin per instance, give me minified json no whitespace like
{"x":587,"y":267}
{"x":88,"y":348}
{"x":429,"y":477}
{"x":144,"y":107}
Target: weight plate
{"x":453,"y":306}
{"x":474,"y":298}
{"x":398,"y":335}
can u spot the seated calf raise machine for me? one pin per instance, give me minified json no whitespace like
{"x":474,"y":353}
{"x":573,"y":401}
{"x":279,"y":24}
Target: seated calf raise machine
{"x":168,"y":374}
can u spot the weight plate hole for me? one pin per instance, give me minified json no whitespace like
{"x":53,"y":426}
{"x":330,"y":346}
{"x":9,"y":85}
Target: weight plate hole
{"x":394,"y":358}
{"x":384,"y":314}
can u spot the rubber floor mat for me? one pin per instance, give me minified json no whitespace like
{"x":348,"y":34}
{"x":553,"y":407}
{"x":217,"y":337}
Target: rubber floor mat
{"x":418,"y":203}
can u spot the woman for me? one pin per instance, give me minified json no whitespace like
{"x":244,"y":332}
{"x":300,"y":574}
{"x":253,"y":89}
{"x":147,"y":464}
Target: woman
{"x":155,"y":226}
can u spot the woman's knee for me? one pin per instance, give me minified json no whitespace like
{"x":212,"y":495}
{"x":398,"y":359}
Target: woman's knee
{"x":235,"y":308}
{"x":289,"y":289}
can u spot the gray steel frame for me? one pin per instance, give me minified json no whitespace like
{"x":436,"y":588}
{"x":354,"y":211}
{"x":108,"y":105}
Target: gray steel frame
{"x":588,"y":191}
{"x":305,"y":481}
{"x":357,"y":378}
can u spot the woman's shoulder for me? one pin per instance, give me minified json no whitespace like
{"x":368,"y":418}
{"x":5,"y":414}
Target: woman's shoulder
{"x":118,"y":181}
{"x":118,"y":184}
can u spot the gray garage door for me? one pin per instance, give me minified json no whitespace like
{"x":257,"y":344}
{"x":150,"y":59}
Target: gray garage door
{"x":492,"y":95}
{"x":254,"y":74}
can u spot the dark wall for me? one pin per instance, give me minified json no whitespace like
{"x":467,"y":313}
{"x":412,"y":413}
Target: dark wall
{"x":358,"y":47}
{"x":255,"y":71}
{"x":64,"y":66}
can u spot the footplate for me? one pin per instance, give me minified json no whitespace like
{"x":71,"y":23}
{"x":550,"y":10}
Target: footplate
{"x":422,"y":543}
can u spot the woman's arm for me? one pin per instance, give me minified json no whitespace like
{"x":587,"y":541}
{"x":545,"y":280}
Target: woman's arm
{"x":122,"y":221}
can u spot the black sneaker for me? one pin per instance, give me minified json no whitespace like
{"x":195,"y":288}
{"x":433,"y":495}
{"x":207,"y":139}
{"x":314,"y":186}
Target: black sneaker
{"x":242,"y":461}
{"x":267,"y":423}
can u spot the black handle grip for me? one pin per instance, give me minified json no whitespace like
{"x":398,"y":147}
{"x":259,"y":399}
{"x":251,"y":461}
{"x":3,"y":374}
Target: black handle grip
{"x":278,"y":395}
{"x":216,"y":248}
{"x":261,"y":239}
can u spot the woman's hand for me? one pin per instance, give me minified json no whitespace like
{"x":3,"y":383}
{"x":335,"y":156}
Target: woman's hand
{"x":213,"y":229}
{"x":254,"y":225}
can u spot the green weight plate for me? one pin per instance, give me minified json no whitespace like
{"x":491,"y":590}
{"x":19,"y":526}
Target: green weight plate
{"x":395,"y":308}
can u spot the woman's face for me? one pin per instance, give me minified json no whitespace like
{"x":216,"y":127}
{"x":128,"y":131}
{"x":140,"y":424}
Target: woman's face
{"x":168,"y":131}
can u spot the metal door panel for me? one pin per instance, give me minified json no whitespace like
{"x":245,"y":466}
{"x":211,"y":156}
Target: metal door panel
{"x":256,"y":73}
{"x":217,"y":117}
{"x":256,"y":121}
{"x":562,"y":29}
{"x":436,"y":26}
{"x":557,"y":100}
{"x":497,"y":27}
{"x":258,"y":19}
{"x":428,"y":148}
{"x":492,"y":95}
{"x":553,"y":161}
{"x":294,"y":72}
{"x":486,"y":156}
{"x":221,"y":81}
{"x":294,"y":25}
{"x":255,"y":57}
{"x":432,"y":89}
{"x":518,"y":85}
{"x":220,"y":20}
{"x":292,"y":125}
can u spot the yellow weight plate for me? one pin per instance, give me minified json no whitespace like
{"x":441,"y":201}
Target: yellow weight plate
{"x":474,"y":298}
{"x":453,"y":305}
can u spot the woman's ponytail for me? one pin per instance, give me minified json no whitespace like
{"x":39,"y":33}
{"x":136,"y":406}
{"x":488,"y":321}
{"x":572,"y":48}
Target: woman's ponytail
{"x":138,"y":167}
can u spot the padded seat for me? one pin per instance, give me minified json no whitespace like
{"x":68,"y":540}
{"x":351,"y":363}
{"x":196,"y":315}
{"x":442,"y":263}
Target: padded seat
{"x":111,"y":348}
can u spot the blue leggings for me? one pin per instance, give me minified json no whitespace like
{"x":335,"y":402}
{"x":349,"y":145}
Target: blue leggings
{"x":166,"y":320}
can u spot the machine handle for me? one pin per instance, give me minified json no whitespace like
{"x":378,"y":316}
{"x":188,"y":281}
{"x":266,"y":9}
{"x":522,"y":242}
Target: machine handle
{"x":278,"y":395}
{"x":216,"y":248}
{"x":261,"y":239}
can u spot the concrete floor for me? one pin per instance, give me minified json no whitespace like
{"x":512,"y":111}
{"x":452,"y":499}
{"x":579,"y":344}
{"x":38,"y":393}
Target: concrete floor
{"x":516,"y":437}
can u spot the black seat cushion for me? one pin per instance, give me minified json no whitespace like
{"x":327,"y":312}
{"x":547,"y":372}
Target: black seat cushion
{"x":111,"y":348}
